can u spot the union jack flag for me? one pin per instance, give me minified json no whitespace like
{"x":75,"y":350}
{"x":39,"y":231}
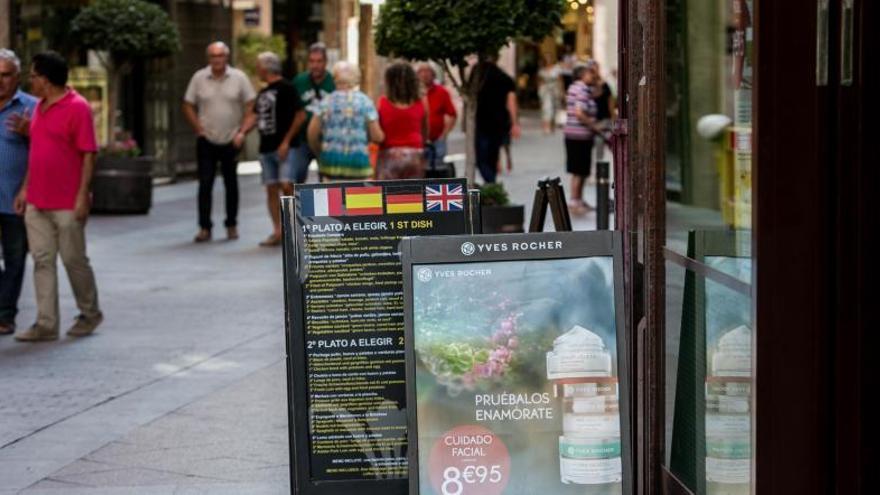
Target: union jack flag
{"x":444,"y":197}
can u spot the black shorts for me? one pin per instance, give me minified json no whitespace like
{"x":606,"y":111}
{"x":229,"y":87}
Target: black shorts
{"x":578,"y":156}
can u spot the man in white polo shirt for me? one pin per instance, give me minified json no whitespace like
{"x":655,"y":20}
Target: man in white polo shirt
{"x":216,"y":101}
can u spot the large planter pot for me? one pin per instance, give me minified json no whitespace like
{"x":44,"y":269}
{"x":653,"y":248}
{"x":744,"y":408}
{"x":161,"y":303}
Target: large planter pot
{"x":502,"y":219}
{"x":122,"y":184}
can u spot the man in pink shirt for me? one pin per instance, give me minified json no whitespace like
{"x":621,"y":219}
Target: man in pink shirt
{"x":55,"y":198}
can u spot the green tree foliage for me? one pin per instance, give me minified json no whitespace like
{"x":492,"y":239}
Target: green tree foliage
{"x":252,"y":44}
{"x":126,"y":29}
{"x":450,"y":32}
{"x":121,"y":32}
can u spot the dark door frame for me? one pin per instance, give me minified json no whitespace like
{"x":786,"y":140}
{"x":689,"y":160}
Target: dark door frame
{"x":792,"y":254}
{"x":856,"y":376}
{"x":813,"y":185}
{"x":641,"y":215}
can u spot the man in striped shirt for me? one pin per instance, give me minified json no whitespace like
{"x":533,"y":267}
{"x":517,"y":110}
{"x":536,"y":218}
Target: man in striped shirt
{"x":15,"y":107}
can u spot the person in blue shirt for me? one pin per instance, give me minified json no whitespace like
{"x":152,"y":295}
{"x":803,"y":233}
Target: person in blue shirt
{"x":16,"y":107}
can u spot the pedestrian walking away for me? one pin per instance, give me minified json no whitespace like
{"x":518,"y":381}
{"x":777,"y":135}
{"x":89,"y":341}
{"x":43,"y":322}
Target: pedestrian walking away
{"x":54,"y":198}
{"x":313,"y":86}
{"x":441,"y":120}
{"x":579,"y":131}
{"x":215,"y":104}
{"x":340,"y":132}
{"x":16,"y":106}
{"x":497,"y":117}
{"x":566,"y":66}
{"x":550,"y":93}
{"x":403,"y":117}
{"x":605,"y":110}
{"x":279,"y":116}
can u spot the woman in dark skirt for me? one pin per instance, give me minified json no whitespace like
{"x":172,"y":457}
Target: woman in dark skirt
{"x":579,"y":132}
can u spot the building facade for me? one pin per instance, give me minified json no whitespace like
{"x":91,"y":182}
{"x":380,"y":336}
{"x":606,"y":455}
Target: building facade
{"x":152,"y":93}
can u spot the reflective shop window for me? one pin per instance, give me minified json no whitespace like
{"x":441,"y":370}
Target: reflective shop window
{"x":709,"y":363}
{"x":709,"y":265}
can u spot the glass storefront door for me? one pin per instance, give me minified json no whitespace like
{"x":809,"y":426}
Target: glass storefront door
{"x":709,"y":268}
{"x":745,"y":121}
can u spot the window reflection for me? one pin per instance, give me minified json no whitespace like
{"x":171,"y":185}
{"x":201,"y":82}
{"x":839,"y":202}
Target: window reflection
{"x":728,"y":380}
{"x":741,"y":75}
{"x":709,"y":51}
{"x":710,"y":386}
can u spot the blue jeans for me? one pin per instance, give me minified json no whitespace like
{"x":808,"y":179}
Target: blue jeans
{"x":302,"y":156}
{"x":436,"y":158}
{"x":13,"y":237}
{"x":276,"y":171}
{"x":488,"y":151}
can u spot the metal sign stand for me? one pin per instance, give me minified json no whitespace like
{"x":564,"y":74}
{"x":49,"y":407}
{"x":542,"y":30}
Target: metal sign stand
{"x":550,"y":193}
{"x":603,"y":202}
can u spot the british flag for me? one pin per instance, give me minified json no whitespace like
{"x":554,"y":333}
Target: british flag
{"x":444,"y":197}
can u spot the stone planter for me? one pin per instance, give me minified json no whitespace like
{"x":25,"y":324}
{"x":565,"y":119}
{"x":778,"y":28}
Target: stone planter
{"x":502,"y":219}
{"x":122,"y":184}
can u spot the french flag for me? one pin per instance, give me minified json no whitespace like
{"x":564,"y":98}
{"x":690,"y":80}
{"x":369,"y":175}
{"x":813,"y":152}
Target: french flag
{"x":321,"y":202}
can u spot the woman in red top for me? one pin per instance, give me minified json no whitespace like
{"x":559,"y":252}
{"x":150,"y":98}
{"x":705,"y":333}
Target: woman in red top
{"x":404,"y":120}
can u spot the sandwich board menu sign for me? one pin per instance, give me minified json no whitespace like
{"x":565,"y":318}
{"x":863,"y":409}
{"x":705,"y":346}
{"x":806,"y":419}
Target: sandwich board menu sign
{"x":345,"y":334}
{"x":516,"y":365}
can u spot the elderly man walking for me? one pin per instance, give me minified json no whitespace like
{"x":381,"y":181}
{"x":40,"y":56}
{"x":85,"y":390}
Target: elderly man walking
{"x":55,"y":198}
{"x":279,"y":117}
{"x":215,"y":104}
{"x":16,"y":107}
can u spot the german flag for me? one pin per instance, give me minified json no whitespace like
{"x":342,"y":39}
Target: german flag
{"x":404,"y":199}
{"x":363,"y":201}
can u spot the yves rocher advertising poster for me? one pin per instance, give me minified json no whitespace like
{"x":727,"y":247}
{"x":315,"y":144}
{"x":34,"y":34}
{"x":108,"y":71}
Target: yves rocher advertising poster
{"x":514,"y":364}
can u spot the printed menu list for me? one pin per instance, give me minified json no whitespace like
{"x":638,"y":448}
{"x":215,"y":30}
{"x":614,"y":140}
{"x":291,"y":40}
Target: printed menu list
{"x":353,"y":317}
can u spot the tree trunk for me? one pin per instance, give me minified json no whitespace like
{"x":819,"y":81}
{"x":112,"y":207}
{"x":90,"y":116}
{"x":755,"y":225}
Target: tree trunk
{"x":468,"y":87}
{"x":470,"y":138}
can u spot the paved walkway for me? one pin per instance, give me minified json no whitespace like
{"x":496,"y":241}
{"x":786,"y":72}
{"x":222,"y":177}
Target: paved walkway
{"x":182,"y":390}
{"x":535,"y":156}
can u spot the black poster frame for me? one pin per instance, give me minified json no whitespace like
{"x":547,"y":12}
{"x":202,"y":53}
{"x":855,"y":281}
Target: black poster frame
{"x":581,"y":244}
{"x":301,"y":482}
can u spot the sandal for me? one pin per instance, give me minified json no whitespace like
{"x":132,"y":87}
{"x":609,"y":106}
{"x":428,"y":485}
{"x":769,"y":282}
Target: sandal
{"x":576,"y":207}
{"x":271,"y":241}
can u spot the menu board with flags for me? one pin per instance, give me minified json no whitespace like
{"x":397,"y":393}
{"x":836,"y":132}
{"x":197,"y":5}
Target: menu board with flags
{"x":345,"y":333}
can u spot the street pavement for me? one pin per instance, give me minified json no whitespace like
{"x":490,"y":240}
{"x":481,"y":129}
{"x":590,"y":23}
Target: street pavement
{"x":182,"y":389}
